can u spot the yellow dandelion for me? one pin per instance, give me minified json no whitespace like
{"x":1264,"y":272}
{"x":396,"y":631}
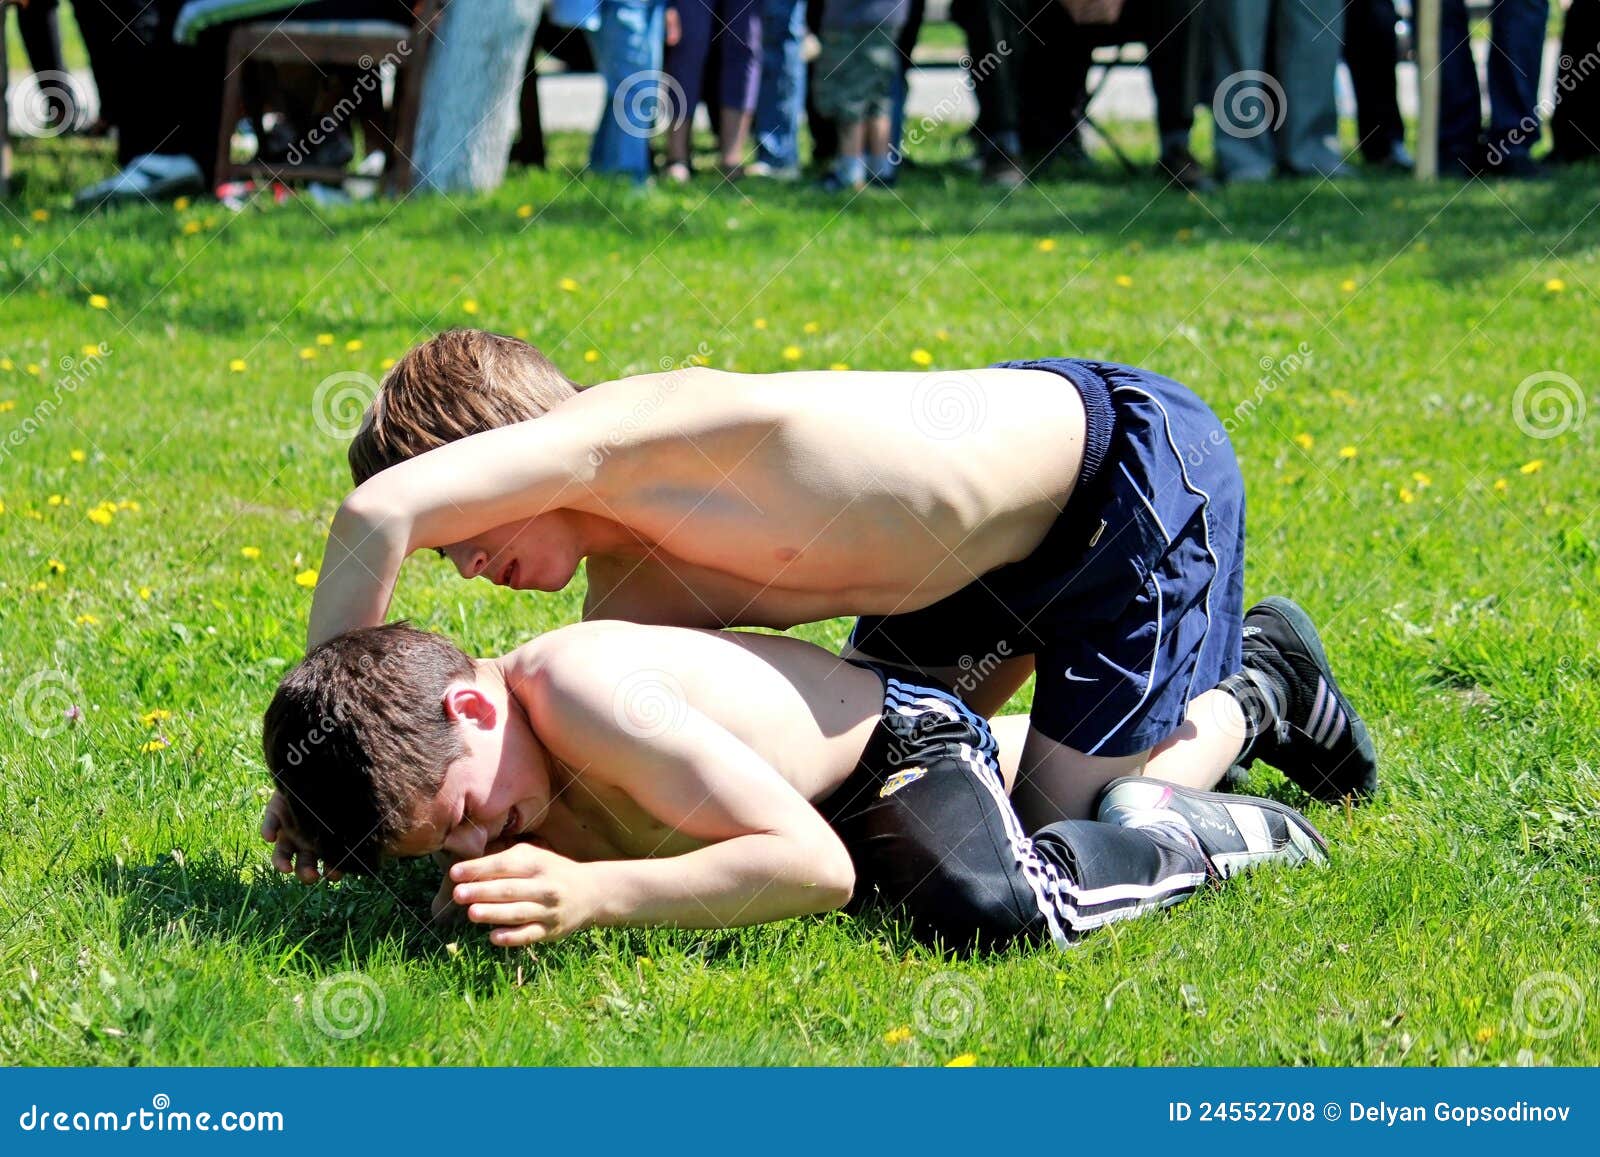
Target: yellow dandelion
{"x":386,"y":364}
{"x":145,"y":593}
{"x":128,"y":504}
{"x":922,"y":357}
{"x":181,"y":204}
{"x":238,"y":366}
{"x":307,"y":353}
{"x":1406,"y":496}
{"x":153,"y":746}
{"x":470,"y":306}
{"x":158,"y":715}
{"x":1348,"y":285}
{"x":54,"y":500}
{"x":250,"y":552}
{"x":324,"y":339}
{"x":33,"y":368}
{"x":941,"y":334}
{"x":354,"y":344}
{"x":1421,"y":479}
{"x":1484,"y":1035}
{"x":40,"y":215}
{"x":306,"y":578}
{"x":87,"y":621}
{"x":897,"y":1036}
{"x":39,"y":587}
{"x":567,"y":285}
{"x":99,"y":301}
{"x":839,"y":367}
{"x":1501,"y":485}
{"x":2,"y":507}
{"x":1046,"y":245}
{"x":8,"y":405}
{"x":100,"y":516}
{"x":524,"y":211}
{"x":1555,"y":285}
{"x":190,"y":228}
{"x":78,"y":456}
{"x":1343,"y":397}
{"x":964,"y":1061}
{"x":811,"y":327}
{"x":1531,"y":467}
{"x":89,"y":351}
{"x":7,"y":364}
{"x":697,"y":360}
{"x":791,"y":353}
{"x":1348,"y":452}
{"x":591,"y":356}
{"x":1124,"y":281}
{"x":760,"y":323}
{"x":1304,"y":441}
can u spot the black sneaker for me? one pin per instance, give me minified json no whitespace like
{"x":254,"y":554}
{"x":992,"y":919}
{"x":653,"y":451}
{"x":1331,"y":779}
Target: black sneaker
{"x":1235,"y":832}
{"x":1302,"y":723}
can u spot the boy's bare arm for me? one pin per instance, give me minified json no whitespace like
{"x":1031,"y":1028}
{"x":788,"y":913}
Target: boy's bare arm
{"x":768,"y":855}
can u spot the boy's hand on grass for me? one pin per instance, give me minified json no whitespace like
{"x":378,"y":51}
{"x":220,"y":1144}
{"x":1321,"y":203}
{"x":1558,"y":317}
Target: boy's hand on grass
{"x":291,"y":853}
{"x":532,"y":893}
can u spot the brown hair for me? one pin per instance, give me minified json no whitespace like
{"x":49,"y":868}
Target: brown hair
{"x":356,"y":737}
{"x":462,"y":382}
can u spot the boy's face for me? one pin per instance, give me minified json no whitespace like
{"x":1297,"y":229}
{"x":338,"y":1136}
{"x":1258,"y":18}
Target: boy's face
{"x":492,"y":794}
{"x":541,"y":554}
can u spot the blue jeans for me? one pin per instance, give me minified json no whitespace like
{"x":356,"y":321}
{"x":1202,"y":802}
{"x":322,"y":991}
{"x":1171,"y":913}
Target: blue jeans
{"x":1516,"y":53}
{"x":627,"y":50}
{"x":783,"y":83}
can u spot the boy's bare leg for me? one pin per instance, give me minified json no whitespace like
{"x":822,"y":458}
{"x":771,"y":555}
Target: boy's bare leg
{"x":877,"y":137}
{"x":1205,"y":745}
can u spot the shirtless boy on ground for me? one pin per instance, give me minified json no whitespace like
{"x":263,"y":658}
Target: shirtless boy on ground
{"x":611,"y":773}
{"x":1078,"y":518}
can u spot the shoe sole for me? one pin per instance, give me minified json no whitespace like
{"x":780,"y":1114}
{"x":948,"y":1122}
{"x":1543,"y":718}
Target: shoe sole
{"x":1295,"y":819}
{"x":1306,"y":631}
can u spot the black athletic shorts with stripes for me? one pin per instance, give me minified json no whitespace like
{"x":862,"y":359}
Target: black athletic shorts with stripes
{"x":933,"y":835}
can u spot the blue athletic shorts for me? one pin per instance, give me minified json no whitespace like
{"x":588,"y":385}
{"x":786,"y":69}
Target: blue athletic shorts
{"x":1134,"y":602}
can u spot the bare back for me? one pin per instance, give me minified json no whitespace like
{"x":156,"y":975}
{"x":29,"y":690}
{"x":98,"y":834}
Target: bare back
{"x":775,"y":499}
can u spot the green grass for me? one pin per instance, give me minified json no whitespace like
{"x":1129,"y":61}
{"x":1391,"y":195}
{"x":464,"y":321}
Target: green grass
{"x":139,"y":922}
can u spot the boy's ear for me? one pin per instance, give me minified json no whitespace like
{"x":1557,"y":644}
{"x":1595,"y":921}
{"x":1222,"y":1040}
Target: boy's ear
{"x":464,"y":703}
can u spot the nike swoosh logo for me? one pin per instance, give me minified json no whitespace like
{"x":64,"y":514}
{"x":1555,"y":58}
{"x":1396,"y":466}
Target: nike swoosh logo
{"x":1080,"y":678}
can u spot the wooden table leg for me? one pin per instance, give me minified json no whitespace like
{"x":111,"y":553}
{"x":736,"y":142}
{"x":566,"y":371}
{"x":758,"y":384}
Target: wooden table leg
{"x":5,"y":132}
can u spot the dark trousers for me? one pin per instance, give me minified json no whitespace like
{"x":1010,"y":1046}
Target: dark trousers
{"x":1371,"y":53}
{"x":1516,"y":50}
{"x":1575,"y":124}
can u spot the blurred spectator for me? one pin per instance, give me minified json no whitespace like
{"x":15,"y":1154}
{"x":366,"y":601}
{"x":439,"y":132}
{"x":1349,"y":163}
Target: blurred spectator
{"x":782,"y":97}
{"x":40,"y":25}
{"x":1286,"y":120}
{"x":1516,"y":53}
{"x":1371,"y":51}
{"x":906,"y":43}
{"x":628,"y":41}
{"x":732,"y":30}
{"x":1575,"y":125}
{"x":856,"y":73}
{"x":994,"y":32}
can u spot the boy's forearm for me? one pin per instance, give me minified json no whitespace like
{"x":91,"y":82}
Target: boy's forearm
{"x":359,"y":565}
{"x":747,"y":880}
